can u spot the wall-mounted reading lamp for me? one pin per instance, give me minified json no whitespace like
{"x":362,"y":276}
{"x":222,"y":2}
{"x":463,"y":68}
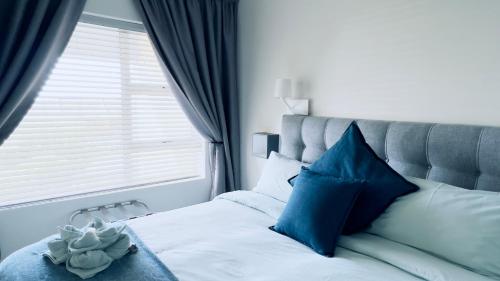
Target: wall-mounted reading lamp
{"x":283,"y":90}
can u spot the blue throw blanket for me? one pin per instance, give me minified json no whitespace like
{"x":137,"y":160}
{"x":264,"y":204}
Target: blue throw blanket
{"x":27,"y":264}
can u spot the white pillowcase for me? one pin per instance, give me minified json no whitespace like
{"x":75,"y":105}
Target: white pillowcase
{"x":460,"y":225}
{"x":274,"y":178}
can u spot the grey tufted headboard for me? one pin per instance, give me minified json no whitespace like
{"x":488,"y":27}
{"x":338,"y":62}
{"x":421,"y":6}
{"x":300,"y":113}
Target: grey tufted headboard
{"x":461,"y":155}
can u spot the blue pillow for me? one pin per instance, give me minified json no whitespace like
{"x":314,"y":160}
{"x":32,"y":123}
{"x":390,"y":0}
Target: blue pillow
{"x":352,"y":157}
{"x":317,"y":210}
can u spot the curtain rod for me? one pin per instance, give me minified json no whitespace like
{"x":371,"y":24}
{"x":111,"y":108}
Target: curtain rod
{"x":110,"y":21}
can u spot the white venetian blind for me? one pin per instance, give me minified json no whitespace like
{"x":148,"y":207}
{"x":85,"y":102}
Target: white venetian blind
{"x":105,"y":119}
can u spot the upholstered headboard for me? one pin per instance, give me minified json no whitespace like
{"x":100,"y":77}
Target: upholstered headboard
{"x":461,"y":155}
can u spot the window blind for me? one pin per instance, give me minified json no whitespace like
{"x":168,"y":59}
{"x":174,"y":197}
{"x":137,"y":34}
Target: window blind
{"x":105,"y":119}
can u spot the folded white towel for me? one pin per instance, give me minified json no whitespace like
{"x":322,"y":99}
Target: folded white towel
{"x":88,"y":264}
{"x":120,"y":248}
{"x":90,"y":249}
{"x":58,"y":251}
{"x":87,"y":242}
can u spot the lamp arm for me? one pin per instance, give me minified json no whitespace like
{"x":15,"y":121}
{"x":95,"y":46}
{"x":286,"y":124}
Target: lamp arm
{"x":287,"y":105}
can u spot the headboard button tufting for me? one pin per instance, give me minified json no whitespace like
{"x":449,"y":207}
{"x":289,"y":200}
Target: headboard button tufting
{"x":441,"y":152}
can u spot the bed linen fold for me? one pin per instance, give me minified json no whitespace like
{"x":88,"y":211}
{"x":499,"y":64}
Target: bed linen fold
{"x":407,"y":258}
{"x":228,"y":239}
{"x":255,"y":200}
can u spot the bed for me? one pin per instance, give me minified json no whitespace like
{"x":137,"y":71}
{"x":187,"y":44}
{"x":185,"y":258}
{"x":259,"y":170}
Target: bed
{"x":228,"y":238}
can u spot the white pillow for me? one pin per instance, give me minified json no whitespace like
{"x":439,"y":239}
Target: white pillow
{"x":274,"y":178}
{"x":460,"y":225}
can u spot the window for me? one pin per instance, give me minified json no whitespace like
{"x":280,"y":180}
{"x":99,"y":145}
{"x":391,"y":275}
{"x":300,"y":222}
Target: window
{"x":105,"y":119}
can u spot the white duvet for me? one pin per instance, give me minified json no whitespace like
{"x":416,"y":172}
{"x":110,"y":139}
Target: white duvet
{"x":228,"y":239}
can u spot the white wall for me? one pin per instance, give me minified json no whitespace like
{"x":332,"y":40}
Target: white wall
{"x":414,"y":60}
{"x":24,"y":225}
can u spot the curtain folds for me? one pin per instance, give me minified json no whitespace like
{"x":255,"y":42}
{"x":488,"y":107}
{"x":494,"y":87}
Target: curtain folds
{"x":196,"y":41}
{"x":33,"y":34}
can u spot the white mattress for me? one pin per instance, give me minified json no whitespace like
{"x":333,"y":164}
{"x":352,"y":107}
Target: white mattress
{"x":228,"y":239}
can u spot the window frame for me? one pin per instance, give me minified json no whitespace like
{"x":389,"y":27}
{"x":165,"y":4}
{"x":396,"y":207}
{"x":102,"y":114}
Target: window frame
{"x":203,"y":179}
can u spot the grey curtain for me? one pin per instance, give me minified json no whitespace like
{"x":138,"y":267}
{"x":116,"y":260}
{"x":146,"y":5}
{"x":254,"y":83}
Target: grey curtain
{"x":196,"y":40}
{"x":33,"y":33}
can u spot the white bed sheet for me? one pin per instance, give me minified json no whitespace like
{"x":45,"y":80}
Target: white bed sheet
{"x":228,"y":239}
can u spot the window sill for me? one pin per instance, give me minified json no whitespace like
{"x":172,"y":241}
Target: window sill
{"x":202,"y":181}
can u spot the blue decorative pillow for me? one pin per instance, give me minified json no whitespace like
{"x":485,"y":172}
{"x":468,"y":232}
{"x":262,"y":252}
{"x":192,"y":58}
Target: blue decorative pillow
{"x":352,"y":157}
{"x":317,"y":210}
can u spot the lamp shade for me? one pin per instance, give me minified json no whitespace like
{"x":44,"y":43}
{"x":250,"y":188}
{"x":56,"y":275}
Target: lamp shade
{"x":283,"y":88}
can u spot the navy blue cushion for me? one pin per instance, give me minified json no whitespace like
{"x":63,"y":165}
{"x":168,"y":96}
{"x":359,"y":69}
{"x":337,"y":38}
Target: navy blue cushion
{"x":317,"y":210}
{"x":352,"y":157}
